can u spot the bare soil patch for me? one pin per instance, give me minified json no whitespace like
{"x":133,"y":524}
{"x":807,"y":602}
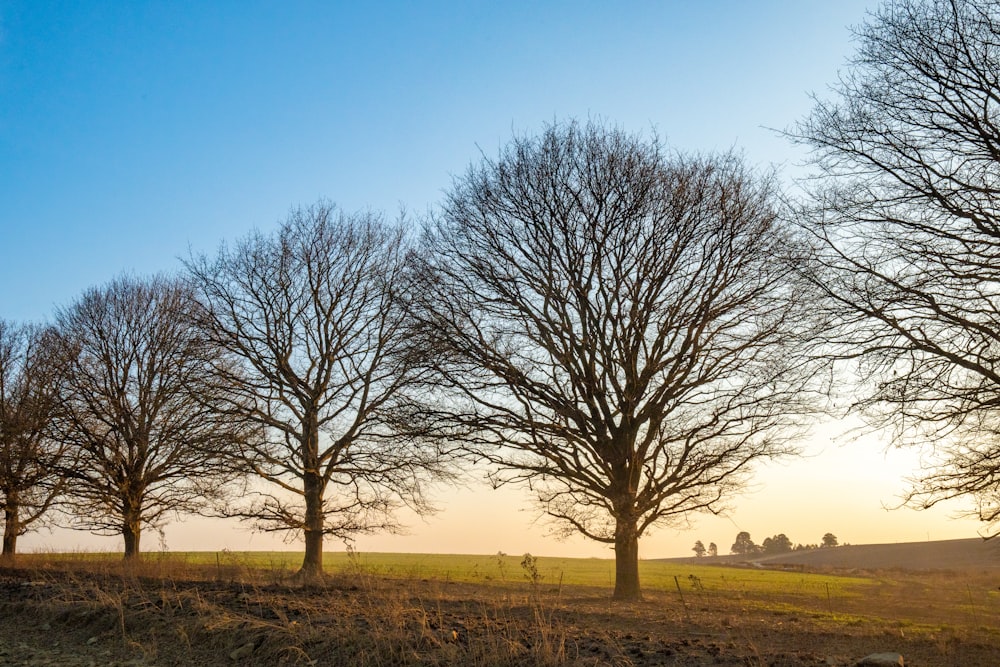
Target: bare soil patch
{"x":77,"y":617}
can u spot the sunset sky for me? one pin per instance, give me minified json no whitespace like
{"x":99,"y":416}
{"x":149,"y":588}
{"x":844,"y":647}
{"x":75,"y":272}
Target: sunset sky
{"x":133,"y":133}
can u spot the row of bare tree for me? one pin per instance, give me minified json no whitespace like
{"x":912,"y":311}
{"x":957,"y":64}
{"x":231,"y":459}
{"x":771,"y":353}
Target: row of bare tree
{"x":260,"y":384}
{"x":614,"y":325}
{"x":623,"y":329}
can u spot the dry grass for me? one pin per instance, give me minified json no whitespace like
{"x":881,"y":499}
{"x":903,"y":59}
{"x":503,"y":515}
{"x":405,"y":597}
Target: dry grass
{"x":163,"y":614}
{"x":239,"y":611}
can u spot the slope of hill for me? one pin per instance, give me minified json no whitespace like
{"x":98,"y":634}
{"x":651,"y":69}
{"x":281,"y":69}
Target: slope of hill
{"x":966,"y":554}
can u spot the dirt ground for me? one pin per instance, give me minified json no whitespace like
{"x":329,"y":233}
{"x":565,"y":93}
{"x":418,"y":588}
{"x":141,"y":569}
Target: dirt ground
{"x":77,"y":618}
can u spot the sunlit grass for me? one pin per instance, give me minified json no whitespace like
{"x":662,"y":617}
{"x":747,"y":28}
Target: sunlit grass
{"x":498,"y":569}
{"x":913,"y":600}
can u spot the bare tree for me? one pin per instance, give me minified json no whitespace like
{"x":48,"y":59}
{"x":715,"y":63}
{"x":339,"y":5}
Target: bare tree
{"x":310,"y":322}
{"x":905,"y":214}
{"x":613,"y":327}
{"x":30,"y":461}
{"x":133,"y":409}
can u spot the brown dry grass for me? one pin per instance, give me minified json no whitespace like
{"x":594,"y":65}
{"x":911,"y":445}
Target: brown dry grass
{"x":163,"y":613}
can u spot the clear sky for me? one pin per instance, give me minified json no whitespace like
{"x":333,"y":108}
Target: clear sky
{"x":131,"y":132}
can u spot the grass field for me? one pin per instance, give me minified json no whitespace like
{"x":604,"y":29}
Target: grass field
{"x":496,"y":569}
{"x":911,"y":598}
{"x":414,"y":608}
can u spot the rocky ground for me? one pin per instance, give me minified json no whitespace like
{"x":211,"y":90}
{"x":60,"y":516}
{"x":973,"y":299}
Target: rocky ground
{"x":75,"y":619}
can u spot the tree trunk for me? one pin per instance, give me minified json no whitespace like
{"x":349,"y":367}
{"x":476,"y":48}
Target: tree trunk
{"x":312,"y":564}
{"x":11,"y":528}
{"x":131,"y":529}
{"x":626,"y":561}
{"x":312,"y":488}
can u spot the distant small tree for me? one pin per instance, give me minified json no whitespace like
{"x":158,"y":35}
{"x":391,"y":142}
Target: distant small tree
{"x":778,"y":544}
{"x":699,"y":549}
{"x":829,"y":540}
{"x":744,"y":546}
{"x":713,"y":550}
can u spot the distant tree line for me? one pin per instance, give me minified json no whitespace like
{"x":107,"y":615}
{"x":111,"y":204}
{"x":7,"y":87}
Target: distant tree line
{"x":623,"y":329}
{"x":777,"y":544}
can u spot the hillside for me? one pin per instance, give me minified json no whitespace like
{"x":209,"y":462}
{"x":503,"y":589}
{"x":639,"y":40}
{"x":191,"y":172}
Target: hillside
{"x":967,"y":554}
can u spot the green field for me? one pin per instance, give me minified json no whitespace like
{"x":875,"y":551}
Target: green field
{"x":911,"y":598}
{"x":508,"y":598}
{"x":497,"y":569}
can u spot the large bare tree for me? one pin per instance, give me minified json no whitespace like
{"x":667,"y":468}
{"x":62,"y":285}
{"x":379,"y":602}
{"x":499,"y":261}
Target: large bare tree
{"x":315,"y":353}
{"x":614,"y":327}
{"x":906,"y":214}
{"x":30,"y":460}
{"x":133,"y":408}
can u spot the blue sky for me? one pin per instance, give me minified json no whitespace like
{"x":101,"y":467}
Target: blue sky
{"x":131,"y":132}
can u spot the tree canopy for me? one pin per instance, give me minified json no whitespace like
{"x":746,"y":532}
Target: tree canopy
{"x":133,"y":408}
{"x":907,"y":232}
{"x":614,"y":326}
{"x":31,"y":460}
{"x":744,"y":545}
{"x":314,"y":354}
